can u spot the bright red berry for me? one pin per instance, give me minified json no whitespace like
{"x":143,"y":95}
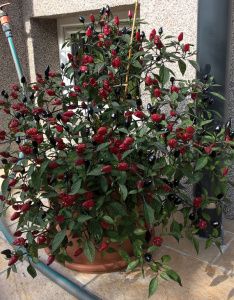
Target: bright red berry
{"x":116,"y":62}
{"x":157,"y":93}
{"x":105,"y":225}
{"x":186,"y":48}
{"x":80,"y":148}
{"x":106,"y":169}
{"x":88,"y":204}
{"x":156,"y":118}
{"x":50,"y":260}
{"x":116,"y":20}
{"x":103,"y":246}
{"x":197,"y":202}
{"x":31,"y":131}
{"x":41,"y":239}
{"x":190,"y":130}
{"x":19,"y":241}
{"x":89,"y":32}
{"x":15,"y":216}
{"x":13,"y":260}
{"x":18,"y":233}
{"x":92,"y":18}
{"x":59,"y":219}
{"x":139,"y":114}
{"x":102,"y":131}
{"x":175,"y":89}
{"x":172,"y":143}
{"x":130,"y":14}
{"x":202,"y":224}
{"x":122,"y":166}
{"x":78,"y":252}
{"x":225,"y":171}
{"x":26,"y":206}
{"x":157,"y":241}
{"x":50,"y":92}
{"x":180,"y":37}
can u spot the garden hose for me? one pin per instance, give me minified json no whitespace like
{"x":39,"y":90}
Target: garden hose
{"x":6,"y":27}
{"x":74,"y":289}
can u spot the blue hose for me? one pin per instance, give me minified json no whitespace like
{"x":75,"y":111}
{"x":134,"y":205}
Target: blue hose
{"x":74,"y":289}
{"x":15,"y":58}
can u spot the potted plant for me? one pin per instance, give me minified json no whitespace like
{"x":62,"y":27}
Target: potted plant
{"x":101,"y":172}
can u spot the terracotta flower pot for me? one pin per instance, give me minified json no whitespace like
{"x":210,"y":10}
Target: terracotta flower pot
{"x":103,"y":262}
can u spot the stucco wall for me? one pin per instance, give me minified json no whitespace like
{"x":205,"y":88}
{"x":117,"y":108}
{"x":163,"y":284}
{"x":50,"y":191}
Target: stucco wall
{"x":8,"y":73}
{"x":229,"y":105}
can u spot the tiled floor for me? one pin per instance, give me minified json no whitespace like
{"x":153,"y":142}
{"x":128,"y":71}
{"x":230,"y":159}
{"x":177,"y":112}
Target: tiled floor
{"x":207,"y":276}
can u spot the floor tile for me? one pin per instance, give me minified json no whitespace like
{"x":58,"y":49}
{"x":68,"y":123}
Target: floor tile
{"x":200,"y":282}
{"x":81,"y":278}
{"x":227,"y":259}
{"x":22,"y":287}
{"x":228,"y":225}
{"x":186,"y":246}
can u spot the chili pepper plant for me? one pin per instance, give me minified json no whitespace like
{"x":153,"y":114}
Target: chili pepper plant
{"x":106,"y":164}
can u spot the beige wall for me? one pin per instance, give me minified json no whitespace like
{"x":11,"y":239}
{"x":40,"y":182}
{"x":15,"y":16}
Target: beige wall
{"x":35,"y":30}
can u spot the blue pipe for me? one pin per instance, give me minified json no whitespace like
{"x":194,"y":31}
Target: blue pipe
{"x":68,"y":285}
{"x":15,"y":58}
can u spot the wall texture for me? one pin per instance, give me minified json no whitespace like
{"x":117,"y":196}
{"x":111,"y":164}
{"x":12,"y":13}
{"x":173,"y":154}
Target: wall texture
{"x":229,"y":106}
{"x":8,"y":73}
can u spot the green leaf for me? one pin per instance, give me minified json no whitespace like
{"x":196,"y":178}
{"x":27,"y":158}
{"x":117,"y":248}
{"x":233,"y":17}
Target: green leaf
{"x":173,"y":276}
{"x":132,"y":265}
{"x":5,"y":185}
{"x":182,"y":66}
{"x":221,"y":97}
{"x":125,"y":255}
{"x":30,"y":170}
{"x":83,"y":218}
{"x":139,"y":231}
{"x":103,"y":146}
{"x":76,"y":186}
{"x":40,"y":99}
{"x":195,"y":244}
{"x":153,"y":286}
{"x":164,"y":276}
{"x":8,"y":272}
{"x":164,"y":74}
{"x":118,"y":209}
{"x":126,"y":153}
{"x":31,"y":271}
{"x":208,"y":243}
{"x":36,"y":180}
{"x":95,"y":230}
{"x":89,"y":250}
{"x":165,"y":259}
{"x":95,"y":172}
{"x":42,"y":168}
{"x":201,"y":163}
{"x":58,"y":239}
{"x":108,"y":219}
{"x":149,"y":214}
{"x":123,"y":191}
{"x":136,"y":64}
{"x":103,"y":184}
{"x":194,"y":64}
